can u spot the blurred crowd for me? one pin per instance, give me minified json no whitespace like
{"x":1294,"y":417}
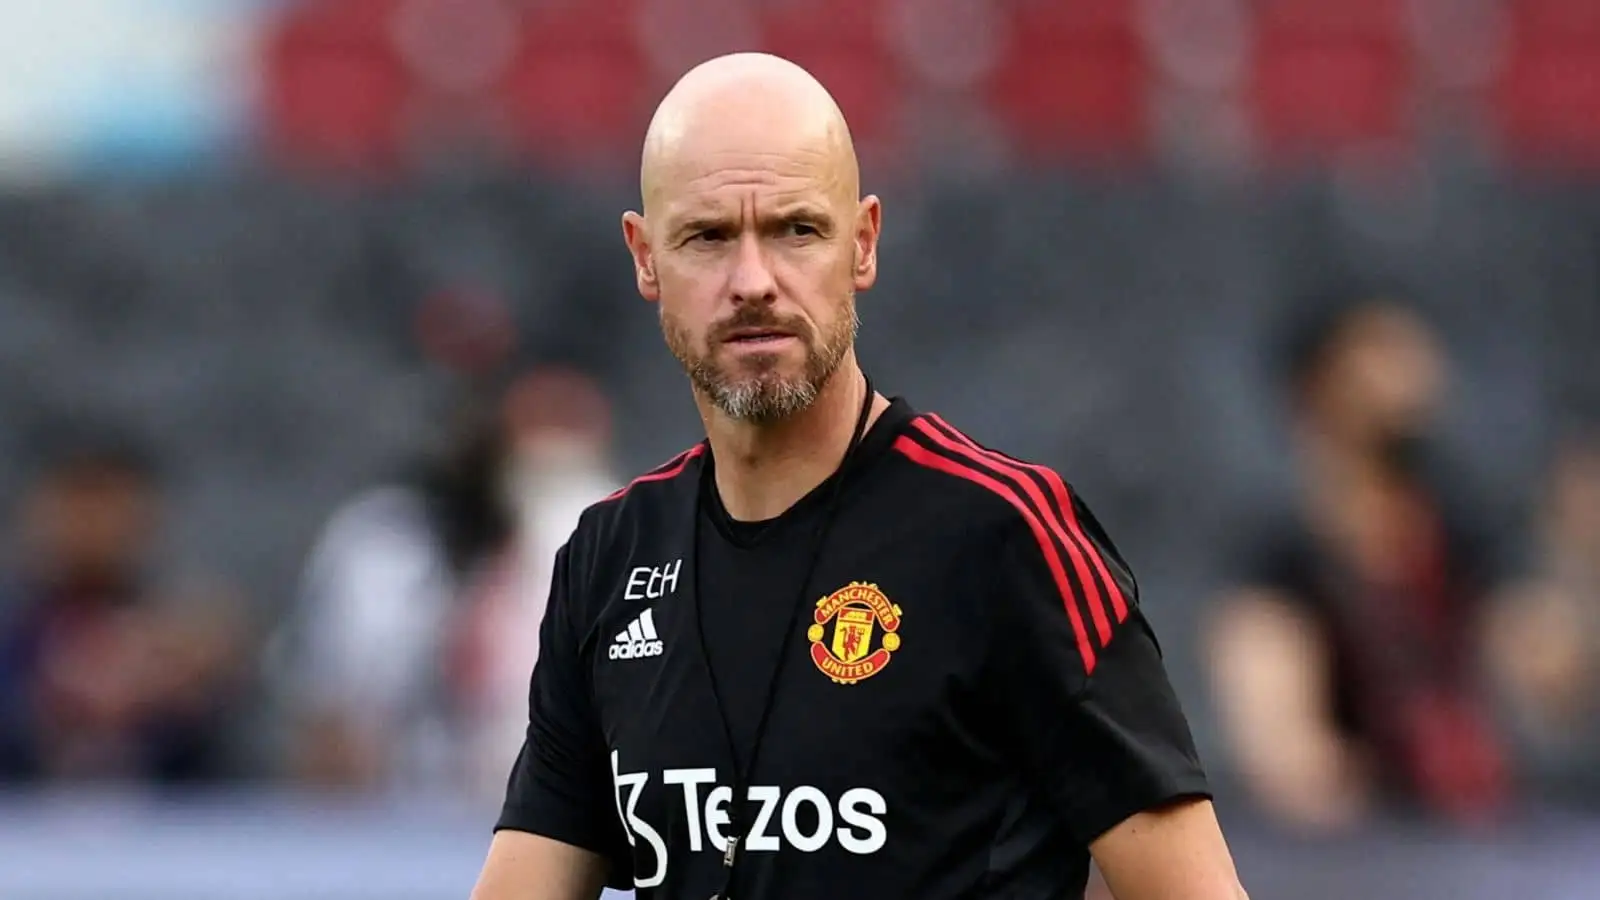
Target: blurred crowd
{"x":404,"y":659}
{"x":1386,"y":645}
{"x":110,"y":666}
{"x":1389,"y":642}
{"x":1389,"y":638}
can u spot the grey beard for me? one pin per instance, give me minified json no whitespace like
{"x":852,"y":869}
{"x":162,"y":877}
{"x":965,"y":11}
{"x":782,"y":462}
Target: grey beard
{"x":761,"y":402}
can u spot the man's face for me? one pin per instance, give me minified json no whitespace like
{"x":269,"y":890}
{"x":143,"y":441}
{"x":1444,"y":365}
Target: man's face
{"x":91,"y":524}
{"x":755,"y":259}
{"x":1389,"y":373}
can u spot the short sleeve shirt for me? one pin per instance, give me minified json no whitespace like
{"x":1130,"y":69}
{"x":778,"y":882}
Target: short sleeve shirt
{"x":970,"y":696}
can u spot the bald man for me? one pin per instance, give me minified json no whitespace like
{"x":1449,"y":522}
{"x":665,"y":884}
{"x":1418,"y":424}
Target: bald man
{"x":837,"y":649}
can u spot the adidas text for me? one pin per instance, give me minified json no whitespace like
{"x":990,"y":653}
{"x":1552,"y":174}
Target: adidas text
{"x":636,"y":649}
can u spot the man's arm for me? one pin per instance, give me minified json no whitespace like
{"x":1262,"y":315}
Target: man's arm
{"x":1095,"y":719}
{"x":1270,"y":668}
{"x":524,"y":866}
{"x":558,"y":837}
{"x":1173,"y":853}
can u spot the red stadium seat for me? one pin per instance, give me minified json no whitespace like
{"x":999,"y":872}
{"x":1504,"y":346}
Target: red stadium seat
{"x":1330,"y":77}
{"x":1371,"y":19}
{"x":1073,"y":83}
{"x":577,"y":91}
{"x":680,"y":34}
{"x":335,"y":91}
{"x":840,"y":41}
{"x":340,"y":21}
{"x":1547,"y":102}
{"x":1537,"y":20}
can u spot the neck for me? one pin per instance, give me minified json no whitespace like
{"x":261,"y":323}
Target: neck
{"x":763,"y":469}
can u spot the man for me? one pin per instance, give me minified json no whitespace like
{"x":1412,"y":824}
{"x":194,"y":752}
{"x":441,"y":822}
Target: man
{"x":407,"y":663}
{"x":916,"y":663}
{"x":112,"y":666}
{"x":1346,"y":654}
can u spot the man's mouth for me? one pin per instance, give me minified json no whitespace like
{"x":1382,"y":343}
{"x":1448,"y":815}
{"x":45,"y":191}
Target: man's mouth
{"x":757,"y":336}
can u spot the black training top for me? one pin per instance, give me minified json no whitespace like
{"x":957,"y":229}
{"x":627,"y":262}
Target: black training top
{"x":968,"y":699}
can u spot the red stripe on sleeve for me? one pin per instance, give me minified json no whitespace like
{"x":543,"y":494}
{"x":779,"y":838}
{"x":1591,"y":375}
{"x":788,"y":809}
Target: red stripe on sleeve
{"x":672,"y":468}
{"x":1091,"y":594}
{"x":923,"y":456}
{"x":1119,"y":603}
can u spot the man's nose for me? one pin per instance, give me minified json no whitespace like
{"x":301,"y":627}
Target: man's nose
{"x":752,"y":280}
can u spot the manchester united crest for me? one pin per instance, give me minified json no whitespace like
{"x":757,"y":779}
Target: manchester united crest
{"x":854,"y":633}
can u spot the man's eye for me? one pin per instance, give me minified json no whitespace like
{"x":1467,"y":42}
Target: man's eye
{"x":802,"y":229}
{"x":709,"y":236}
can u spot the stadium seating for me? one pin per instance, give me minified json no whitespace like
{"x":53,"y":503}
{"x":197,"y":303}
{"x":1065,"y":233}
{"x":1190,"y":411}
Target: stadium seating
{"x":1547,"y":101}
{"x":841,"y":41}
{"x":577,"y":91}
{"x":1330,"y":77}
{"x":1083,"y":82}
{"x":335,"y":90}
{"x":1073,"y":82}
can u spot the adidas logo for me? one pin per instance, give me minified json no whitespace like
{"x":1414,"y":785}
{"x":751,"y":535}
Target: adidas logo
{"x":639,"y":640}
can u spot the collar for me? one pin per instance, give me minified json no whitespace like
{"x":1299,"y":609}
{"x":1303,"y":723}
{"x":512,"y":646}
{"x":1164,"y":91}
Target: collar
{"x":875,"y":444}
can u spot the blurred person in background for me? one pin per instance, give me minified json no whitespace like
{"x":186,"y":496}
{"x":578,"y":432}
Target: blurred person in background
{"x":1345,"y":658}
{"x":559,"y":427}
{"x":1545,"y":640}
{"x":362,"y":666}
{"x":422,"y":599}
{"x":109,"y":672}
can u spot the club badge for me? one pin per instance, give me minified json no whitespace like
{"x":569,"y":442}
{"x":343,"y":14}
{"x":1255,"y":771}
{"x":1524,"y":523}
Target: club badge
{"x":854,"y":633}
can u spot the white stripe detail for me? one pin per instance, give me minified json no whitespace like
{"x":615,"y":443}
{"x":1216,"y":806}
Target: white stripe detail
{"x":648,"y":622}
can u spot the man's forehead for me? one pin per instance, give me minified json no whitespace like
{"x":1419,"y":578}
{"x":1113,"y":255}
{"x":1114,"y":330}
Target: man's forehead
{"x":739,"y":205}
{"x":731,"y":183}
{"x":755,"y":161}
{"x":751,"y":146}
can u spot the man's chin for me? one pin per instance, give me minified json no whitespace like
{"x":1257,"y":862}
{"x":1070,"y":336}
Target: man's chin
{"x":764,"y":399}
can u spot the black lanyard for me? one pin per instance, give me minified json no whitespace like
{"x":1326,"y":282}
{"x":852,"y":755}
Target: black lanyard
{"x":741,"y":774}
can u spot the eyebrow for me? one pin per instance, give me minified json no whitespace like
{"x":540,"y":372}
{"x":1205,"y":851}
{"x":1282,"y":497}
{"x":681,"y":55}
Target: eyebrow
{"x":698,"y":223}
{"x":799,"y":212}
{"x":803,"y":212}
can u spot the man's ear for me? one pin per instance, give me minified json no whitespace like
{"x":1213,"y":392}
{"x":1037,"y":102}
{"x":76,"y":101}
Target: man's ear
{"x":636,"y":236}
{"x":869,"y":222}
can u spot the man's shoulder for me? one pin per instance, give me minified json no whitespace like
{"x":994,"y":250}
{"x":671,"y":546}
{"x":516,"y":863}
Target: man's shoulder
{"x":992,"y":490}
{"x":640,"y":505}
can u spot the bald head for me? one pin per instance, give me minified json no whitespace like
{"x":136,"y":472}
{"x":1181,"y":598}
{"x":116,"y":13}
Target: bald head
{"x":754,"y":237}
{"x":746,"y":103}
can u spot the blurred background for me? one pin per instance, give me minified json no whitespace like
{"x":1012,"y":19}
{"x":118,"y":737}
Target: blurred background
{"x":317,"y":333}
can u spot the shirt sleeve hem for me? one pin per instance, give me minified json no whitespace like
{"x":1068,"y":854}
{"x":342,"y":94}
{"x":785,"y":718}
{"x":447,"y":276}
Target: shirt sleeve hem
{"x":1093,"y":823}
{"x":557,"y":828}
{"x":571,"y":831}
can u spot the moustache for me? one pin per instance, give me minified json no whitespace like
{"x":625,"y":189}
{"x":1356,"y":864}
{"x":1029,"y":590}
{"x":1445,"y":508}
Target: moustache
{"x":751,"y":318}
